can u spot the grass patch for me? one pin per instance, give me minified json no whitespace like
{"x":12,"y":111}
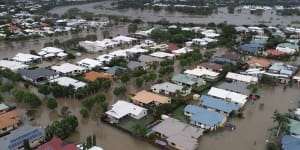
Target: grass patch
{"x":179,"y":114}
{"x":128,"y":122}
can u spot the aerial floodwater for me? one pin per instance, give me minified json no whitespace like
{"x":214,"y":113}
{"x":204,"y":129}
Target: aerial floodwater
{"x":243,"y":18}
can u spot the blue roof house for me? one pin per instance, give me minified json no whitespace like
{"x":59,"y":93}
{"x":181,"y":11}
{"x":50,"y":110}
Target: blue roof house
{"x":203,"y":118}
{"x":221,"y":59}
{"x":218,"y":105}
{"x":251,"y":49}
{"x":290,"y":142}
{"x":259,"y":42}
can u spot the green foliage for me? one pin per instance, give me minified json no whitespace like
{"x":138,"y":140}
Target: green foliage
{"x":120,"y":90}
{"x":125,"y":77}
{"x":51,"y":103}
{"x":6,"y":87}
{"x":139,"y":82}
{"x":26,"y":145}
{"x":151,"y":76}
{"x":208,"y":54}
{"x":62,"y":128}
{"x":26,"y":97}
{"x":228,"y":36}
{"x":272,"y":146}
{"x":84,"y":112}
{"x":190,"y":58}
{"x":11,"y":75}
{"x":44,"y":89}
{"x":139,"y":130}
{"x":89,"y":102}
{"x":268,"y":80}
{"x":174,"y":35}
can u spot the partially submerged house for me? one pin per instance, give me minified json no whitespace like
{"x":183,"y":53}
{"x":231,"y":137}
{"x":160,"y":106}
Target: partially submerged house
{"x":294,"y":127}
{"x":132,"y":65}
{"x":122,"y":109}
{"x":202,"y":73}
{"x":9,"y":121}
{"x":26,"y":58}
{"x":12,"y":65}
{"x":69,"y":69}
{"x":226,"y":95}
{"x":57,"y":144}
{"x":238,"y":87}
{"x":283,"y":72}
{"x":211,"y":66}
{"x":149,"y":59}
{"x":258,"y":63}
{"x":187,"y":80}
{"x":39,"y":75}
{"x":145,"y":97}
{"x":235,"y":77}
{"x":93,"y":76}
{"x":89,"y":63}
{"x":170,"y":89}
{"x":178,"y":134}
{"x":203,"y":118}
{"x":290,"y":142}
{"x":288,"y":48}
{"x":67,"y":81}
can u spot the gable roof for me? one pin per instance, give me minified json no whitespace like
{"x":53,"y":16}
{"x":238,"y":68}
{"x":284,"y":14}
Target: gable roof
{"x":93,"y":76}
{"x":115,"y":70}
{"x":148,"y":97}
{"x":211,"y":65}
{"x":201,"y":115}
{"x":228,"y":95}
{"x":135,"y":64}
{"x":250,"y":48}
{"x":290,"y":142}
{"x":186,"y":79}
{"x":218,"y":104}
{"x":122,"y":108}
{"x":67,"y":67}
{"x":37,"y":73}
{"x":57,"y":144}
{"x":259,"y":62}
{"x":239,"y":87}
{"x":9,"y":118}
{"x":167,"y":86}
{"x":241,"y":77}
{"x":200,"y":72}
{"x":12,"y":65}
{"x":149,"y":59}
{"x":294,"y":126}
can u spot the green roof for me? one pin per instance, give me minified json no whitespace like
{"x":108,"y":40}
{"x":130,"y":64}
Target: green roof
{"x":186,"y":79}
{"x":289,"y":45}
{"x":3,"y":106}
{"x":294,"y":126}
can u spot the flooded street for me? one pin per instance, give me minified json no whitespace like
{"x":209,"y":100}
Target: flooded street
{"x":242,"y":18}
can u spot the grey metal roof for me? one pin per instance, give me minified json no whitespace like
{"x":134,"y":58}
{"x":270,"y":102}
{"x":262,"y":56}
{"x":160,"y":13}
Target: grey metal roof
{"x":37,"y":73}
{"x":135,"y":64}
{"x":239,"y":87}
{"x":16,"y":138}
{"x":149,"y":59}
{"x":167,"y":86}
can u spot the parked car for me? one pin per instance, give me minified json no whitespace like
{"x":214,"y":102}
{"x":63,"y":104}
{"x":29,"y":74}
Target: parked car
{"x":230,"y":126}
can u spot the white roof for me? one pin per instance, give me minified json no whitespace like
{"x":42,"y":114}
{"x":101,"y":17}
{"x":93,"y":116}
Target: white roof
{"x":122,"y":38}
{"x":136,"y":49}
{"x":61,"y":54}
{"x":52,"y":50}
{"x":122,"y":108}
{"x":240,"y":77}
{"x":67,"y":67}
{"x":183,"y":50}
{"x":49,"y":55}
{"x":42,"y":53}
{"x":12,"y":65}
{"x":119,"y":53}
{"x":95,"y":148}
{"x":105,"y":58}
{"x":228,"y":95}
{"x":21,"y":57}
{"x":199,"y":72}
{"x":67,"y":81}
{"x":89,"y":62}
{"x":162,"y":54}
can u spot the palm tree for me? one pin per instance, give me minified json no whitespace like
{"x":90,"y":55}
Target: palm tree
{"x":282,"y":119}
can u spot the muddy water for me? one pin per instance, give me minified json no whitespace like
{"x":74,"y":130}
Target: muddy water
{"x":252,"y":132}
{"x":244,"y":17}
{"x":10,"y":49}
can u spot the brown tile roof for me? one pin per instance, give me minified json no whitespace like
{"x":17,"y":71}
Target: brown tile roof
{"x":148,"y":97}
{"x":9,"y":119}
{"x":93,"y":75}
{"x":210,"y":65}
{"x":172,"y":47}
{"x":274,"y":52}
{"x":259,"y":62}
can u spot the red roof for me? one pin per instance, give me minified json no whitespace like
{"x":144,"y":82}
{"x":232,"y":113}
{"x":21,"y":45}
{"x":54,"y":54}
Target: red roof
{"x":13,"y":27}
{"x":274,"y":52}
{"x":172,"y":47}
{"x":57,"y":144}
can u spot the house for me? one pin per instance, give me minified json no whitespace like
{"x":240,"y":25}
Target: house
{"x":202,"y":73}
{"x":124,"y":39}
{"x":187,"y":80}
{"x":9,"y":121}
{"x":172,"y":47}
{"x":105,"y":58}
{"x":95,"y":148}
{"x":170,"y":89}
{"x":12,"y":65}
{"x":122,"y":109}
{"x":226,"y":95}
{"x":218,"y":105}
{"x":222,"y":59}
{"x":260,"y":42}
{"x":235,"y":77}
{"x":3,"y":108}
{"x":38,"y":75}
{"x":145,"y":97}
{"x":116,"y":70}
{"x":211,"y":66}
{"x":258,"y":63}
{"x":274,"y":53}
{"x":49,"y":52}
{"x":96,"y":46}
{"x":57,"y":144}
{"x":238,"y":87}
{"x":251,"y":49}
{"x":68,"y":69}
{"x":178,"y":134}
{"x":15,"y":140}
{"x":181,"y":51}
{"x":132,"y":65}
{"x":67,"y":81}
{"x":26,"y":58}
{"x":294,"y":127}
{"x":162,"y":55}
{"x":289,"y":142}
{"x":89,"y":63}
{"x":205,"y":119}
{"x":149,"y":59}
{"x":283,"y":72}
{"x":93,"y":76}
{"x":288,"y":48}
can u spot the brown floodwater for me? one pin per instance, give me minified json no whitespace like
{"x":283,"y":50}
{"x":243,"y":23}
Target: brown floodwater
{"x":242,"y":18}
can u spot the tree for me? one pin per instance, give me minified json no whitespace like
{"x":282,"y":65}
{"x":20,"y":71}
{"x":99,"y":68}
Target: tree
{"x":208,"y":54}
{"x":32,"y":100}
{"x":26,"y":145}
{"x":159,"y":35}
{"x":94,"y":140}
{"x":125,"y":77}
{"x":227,"y":68}
{"x":84,"y":112}
{"x":51,"y":103}
{"x":269,"y":80}
{"x":6,"y":87}
{"x":44,"y":89}
{"x":282,"y":119}
{"x":120,"y":90}
{"x":1,"y":99}
{"x":62,"y":128}
{"x":106,"y":84}
{"x":139,"y":130}
{"x":18,"y":94}
{"x":139,"y":82}
{"x":132,"y":28}
{"x":64,"y":111}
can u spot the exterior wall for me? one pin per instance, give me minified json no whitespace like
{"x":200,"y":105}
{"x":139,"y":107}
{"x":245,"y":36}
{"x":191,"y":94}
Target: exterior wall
{"x":141,"y":115}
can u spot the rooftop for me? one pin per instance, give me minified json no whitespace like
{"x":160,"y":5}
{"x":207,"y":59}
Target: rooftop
{"x":259,"y":62}
{"x":186,"y":79}
{"x":239,"y":87}
{"x":294,"y":126}
{"x":228,"y":95}
{"x":9,"y":119}
{"x":211,"y":65}
{"x":57,"y":144}
{"x":167,"y":86}
{"x":67,"y":81}
{"x":67,"y":68}
{"x":290,"y":142}
{"x":218,"y":104}
{"x":241,"y":77}
{"x":149,"y":59}
{"x":93,"y":76}
{"x":201,"y":72}
{"x":37,"y":73}
{"x":12,"y":65}
{"x":135,"y":64}
{"x":122,"y":108}
{"x":148,"y":97}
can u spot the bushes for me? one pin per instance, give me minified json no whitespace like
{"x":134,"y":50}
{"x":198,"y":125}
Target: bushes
{"x":120,"y":90}
{"x":26,"y":97}
{"x":63,"y":128}
{"x":51,"y":103}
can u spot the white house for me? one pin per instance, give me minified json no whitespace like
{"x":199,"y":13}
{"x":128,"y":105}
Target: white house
{"x":237,"y":98}
{"x":124,"y":39}
{"x":12,"y":65}
{"x":26,"y":58}
{"x":49,"y":52}
{"x":241,"y":78}
{"x":67,"y":81}
{"x":89,"y":63}
{"x":170,"y":88}
{"x":183,"y":50}
{"x":69,"y":69}
{"x":202,"y":72}
{"x":105,"y":58}
{"x":162,"y":55}
{"x":122,"y":109}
